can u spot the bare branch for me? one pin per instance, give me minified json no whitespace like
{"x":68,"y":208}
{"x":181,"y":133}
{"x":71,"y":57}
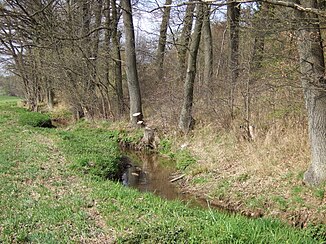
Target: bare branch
{"x":224,"y":3}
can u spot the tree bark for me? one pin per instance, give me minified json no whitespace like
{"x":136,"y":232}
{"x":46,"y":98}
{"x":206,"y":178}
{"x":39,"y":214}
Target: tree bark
{"x":50,"y":97}
{"x":208,"y":53}
{"x":186,"y":121}
{"x":98,"y":20}
{"x":117,"y":58}
{"x":185,"y":37}
{"x":259,"y":36}
{"x":87,"y":84}
{"x":162,"y":40}
{"x":107,"y":37}
{"x":131,"y":65}
{"x":312,"y":69}
{"x":86,"y":21}
{"x":233,"y":12}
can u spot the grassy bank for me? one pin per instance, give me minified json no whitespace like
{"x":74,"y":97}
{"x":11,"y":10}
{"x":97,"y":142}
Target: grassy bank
{"x":263,"y":177}
{"x":49,"y":195}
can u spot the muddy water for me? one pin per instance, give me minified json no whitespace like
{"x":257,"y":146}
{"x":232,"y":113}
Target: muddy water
{"x":152,"y":173}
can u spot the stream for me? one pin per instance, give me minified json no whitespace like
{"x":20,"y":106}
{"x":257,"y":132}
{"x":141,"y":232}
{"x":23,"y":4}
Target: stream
{"x":150,"y":172}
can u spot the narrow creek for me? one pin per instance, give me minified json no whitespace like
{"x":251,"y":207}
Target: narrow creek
{"x":150,"y":172}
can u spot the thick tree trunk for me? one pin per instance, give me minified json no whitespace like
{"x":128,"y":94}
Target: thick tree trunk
{"x":131,"y":66}
{"x":162,"y":40}
{"x":233,"y":12}
{"x":208,"y":53}
{"x":312,"y":68}
{"x":186,"y":121}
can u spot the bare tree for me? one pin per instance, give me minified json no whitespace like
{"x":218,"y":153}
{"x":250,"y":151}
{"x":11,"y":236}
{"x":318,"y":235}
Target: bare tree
{"x":184,"y":38}
{"x":208,"y":52}
{"x":20,"y":30}
{"x":256,"y":55}
{"x":233,"y":13}
{"x":131,"y":65}
{"x":186,"y":121}
{"x":162,"y":39}
{"x":314,"y":84}
{"x":116,"y":53}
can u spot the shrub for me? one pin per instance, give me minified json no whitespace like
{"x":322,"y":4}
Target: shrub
{"x":35,"y":119}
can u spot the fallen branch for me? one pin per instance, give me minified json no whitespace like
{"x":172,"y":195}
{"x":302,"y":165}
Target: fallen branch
{"x":178,"y":178}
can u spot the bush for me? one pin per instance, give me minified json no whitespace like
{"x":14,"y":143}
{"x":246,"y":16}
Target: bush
{"x":35,"y":119}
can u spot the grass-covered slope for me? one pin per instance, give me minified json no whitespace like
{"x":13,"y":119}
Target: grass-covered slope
{"x":44,"y":200}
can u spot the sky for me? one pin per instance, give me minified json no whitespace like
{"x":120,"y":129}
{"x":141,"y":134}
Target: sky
{"x":148,"y":21}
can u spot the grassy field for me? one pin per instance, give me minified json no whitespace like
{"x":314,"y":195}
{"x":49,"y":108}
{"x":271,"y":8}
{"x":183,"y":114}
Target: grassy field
{"x":51,"y":192}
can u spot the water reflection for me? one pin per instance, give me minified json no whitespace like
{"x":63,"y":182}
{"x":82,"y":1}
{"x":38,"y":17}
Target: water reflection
{"x":134,"y":176}
{"x":151,"y":173}
{"x":146,"y":173}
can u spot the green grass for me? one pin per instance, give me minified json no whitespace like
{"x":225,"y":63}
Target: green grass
{"x":92,"y":151}
{"x":8,"y":99}
{"x":182,"y":157}
{"x":35,"y":119}
{"x":45,"y":200}
{"x":32,"y":208}
{"x":153,"y":220}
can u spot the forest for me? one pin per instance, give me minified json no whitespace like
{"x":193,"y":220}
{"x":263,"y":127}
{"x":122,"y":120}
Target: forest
{"x":239,"y":84}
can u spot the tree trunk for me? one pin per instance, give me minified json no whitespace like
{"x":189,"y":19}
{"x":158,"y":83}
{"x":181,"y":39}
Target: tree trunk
{"x":86,"y":21}
{"x":256,"y":59}
{"x":312,"y":69}
{"x":97,"y":100}
{"x":107,"y":37}
{"x":98,"y":20}
{"x":186,"y":121}
{"x":185,"y":37}
{"x":208,"y":53}
{"x":233,"y":12}
{"x":117,"y":58}
{"x":50,"y":94}
{"x":259,"y":35}
{"x":87,"y":84}
{"x":131,"y":66}
{"x":162,"y":39}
